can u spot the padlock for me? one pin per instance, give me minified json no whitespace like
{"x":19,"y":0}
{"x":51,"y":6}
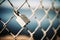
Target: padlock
{"x":21,"y":19}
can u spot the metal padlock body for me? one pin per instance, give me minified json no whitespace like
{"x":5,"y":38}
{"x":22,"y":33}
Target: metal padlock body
{"x":22,"y":20}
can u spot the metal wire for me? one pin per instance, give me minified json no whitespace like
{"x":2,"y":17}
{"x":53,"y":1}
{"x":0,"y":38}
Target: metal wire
{"x":15,"y":10}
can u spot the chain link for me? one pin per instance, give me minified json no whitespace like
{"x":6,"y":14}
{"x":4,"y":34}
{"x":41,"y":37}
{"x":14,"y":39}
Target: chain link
{"x":15,"y":10}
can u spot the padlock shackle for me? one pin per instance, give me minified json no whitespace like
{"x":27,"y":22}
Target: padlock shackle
{"x":16,"y":13}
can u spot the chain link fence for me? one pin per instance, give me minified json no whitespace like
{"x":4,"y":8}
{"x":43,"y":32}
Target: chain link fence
{"x":39,"y":21}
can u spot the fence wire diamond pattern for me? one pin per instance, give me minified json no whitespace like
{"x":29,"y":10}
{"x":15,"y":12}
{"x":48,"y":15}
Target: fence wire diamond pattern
{"x":39,"y":21}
